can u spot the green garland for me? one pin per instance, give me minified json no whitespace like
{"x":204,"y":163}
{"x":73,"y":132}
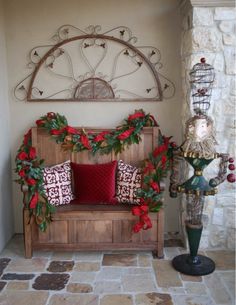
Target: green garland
{"x":29,"y":166}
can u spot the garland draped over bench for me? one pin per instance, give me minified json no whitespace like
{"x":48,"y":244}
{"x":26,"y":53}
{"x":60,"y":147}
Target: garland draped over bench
{"x":29,"y":167}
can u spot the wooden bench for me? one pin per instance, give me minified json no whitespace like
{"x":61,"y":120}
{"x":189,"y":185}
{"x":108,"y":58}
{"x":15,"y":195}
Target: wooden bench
{"x":93,"y":227}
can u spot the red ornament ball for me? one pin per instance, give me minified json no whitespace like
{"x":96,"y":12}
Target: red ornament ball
{"x":231,"y":160}
{"x":231,"y":178}
{"x":231,"y":167}
{"x":203,"y":60}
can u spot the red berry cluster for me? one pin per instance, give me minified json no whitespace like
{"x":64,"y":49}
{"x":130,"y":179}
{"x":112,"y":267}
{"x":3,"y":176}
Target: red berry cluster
{"x":231,"y":177}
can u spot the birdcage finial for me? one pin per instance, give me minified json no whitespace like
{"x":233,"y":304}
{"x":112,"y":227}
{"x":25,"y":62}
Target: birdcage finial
{"x":202,"y":77}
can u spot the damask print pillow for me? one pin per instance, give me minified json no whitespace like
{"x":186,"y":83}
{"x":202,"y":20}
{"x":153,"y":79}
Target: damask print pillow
{"x":57,"y":183}
{"x":128,"y":181}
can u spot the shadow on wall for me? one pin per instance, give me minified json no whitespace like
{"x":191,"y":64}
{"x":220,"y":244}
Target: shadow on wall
{"x":6,"y":206}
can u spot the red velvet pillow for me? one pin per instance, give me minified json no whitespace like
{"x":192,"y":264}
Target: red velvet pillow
{"x":95,"y":183}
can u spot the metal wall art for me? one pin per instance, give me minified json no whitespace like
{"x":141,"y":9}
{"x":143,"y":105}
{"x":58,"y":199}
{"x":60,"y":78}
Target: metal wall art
{"x":93,"y":66}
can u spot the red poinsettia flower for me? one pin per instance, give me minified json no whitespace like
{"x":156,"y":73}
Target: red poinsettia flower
{"x":101,"y":136}
{"x":31,"y":181}
{"x":27,"y":137}
{"x":155,"y":186}
{"x":57,"y":132}
{"x":40,"y":122}
{"x":85,"y":141}
{"x":163,"y":160}
{"x":51,"y":115}
{"x":22,"y":156}
{"x":124,"y":135}
{"x":158,"y":150}
{"x":21,"y":173}
{"x":71,"y":130}
{"x":34,"y":200}
{"x":32,"y":152}
{"x":136,"y":115}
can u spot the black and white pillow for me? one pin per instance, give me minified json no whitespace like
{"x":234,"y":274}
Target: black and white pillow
{"x":128,"y":181}
{"x":57,"y":183}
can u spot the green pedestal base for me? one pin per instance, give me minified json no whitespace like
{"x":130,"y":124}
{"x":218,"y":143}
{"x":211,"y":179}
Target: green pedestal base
{"x":198,"y":265}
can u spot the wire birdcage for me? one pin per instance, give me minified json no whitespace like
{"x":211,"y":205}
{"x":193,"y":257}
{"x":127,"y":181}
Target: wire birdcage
{"x":202,"y":77}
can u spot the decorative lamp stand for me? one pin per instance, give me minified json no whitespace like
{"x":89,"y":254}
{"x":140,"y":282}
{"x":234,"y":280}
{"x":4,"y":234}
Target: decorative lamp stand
{"x":198,"y":149}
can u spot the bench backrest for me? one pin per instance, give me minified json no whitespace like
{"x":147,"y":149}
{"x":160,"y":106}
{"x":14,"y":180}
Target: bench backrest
{"x":52,"y":153}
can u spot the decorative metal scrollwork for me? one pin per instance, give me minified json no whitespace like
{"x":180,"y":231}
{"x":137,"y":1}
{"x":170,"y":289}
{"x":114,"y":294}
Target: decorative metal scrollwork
{"x":90,"y":66}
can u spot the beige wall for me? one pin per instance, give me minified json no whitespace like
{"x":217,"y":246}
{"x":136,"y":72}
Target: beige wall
{"x":6,"y":208}
{"x":31,"y":23}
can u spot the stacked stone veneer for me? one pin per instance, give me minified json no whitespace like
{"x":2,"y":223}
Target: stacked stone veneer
{"x":211,"y":33}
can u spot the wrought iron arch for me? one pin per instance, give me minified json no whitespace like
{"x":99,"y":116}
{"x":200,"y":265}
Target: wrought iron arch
{"x":39,"y":85}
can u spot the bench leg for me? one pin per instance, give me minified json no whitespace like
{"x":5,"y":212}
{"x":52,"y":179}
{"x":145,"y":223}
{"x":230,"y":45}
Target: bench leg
{"x":27,"y":234}
{"x":155,"y":255}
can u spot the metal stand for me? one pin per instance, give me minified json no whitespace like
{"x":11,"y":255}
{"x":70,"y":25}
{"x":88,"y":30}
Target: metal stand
{"x":193,"y":264}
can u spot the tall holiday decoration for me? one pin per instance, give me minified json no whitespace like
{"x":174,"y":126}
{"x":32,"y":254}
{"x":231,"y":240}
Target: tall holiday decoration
{"x":198,"y":149}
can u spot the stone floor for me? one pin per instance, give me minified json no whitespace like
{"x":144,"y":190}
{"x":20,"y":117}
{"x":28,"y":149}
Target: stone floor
{"x":130,"y":278}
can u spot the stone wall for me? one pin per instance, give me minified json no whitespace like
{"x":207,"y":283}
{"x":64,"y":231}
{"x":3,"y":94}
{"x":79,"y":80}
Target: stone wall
{"x":211,"y":33}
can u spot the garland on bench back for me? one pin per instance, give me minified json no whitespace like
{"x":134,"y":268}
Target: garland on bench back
{"x":29,"y":166}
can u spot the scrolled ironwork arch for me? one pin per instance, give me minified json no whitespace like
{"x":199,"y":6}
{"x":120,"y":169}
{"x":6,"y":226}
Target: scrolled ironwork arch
{"x":110,"y":91}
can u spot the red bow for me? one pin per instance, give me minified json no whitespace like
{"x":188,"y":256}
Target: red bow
{"x":144,"y":220}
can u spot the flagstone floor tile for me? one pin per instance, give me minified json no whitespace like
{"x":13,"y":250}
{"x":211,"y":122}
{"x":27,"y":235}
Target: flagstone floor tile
{"x":192,"y":300}
{"x":11,"y":297}
{"x":228,"y":278}
{"x":195,"y":288}
{"x":27,"y":265}
{"x":224,"y":260}
{"x":72,"y":299}
{"x":217,"y":290}
{"x":110,"y":273}
{"x":51,"y":281}
{"x":83,"y":277}
{"x":153,"y":298}
{"x":60,"y":266}
{"x":18,"y":276}
{"x":119,"y":260}
{"x":117,"y":300}
{"x":18,"y":285}
{"x":110,"y":278}
{"x":166,"y":276}
{"x":79,"y":288}
{"x":138,"y":283}
{"x":190,"y":278}
{"x":2,"y":285}
{"x":87,"y":266}
{"x":107,"y":287}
